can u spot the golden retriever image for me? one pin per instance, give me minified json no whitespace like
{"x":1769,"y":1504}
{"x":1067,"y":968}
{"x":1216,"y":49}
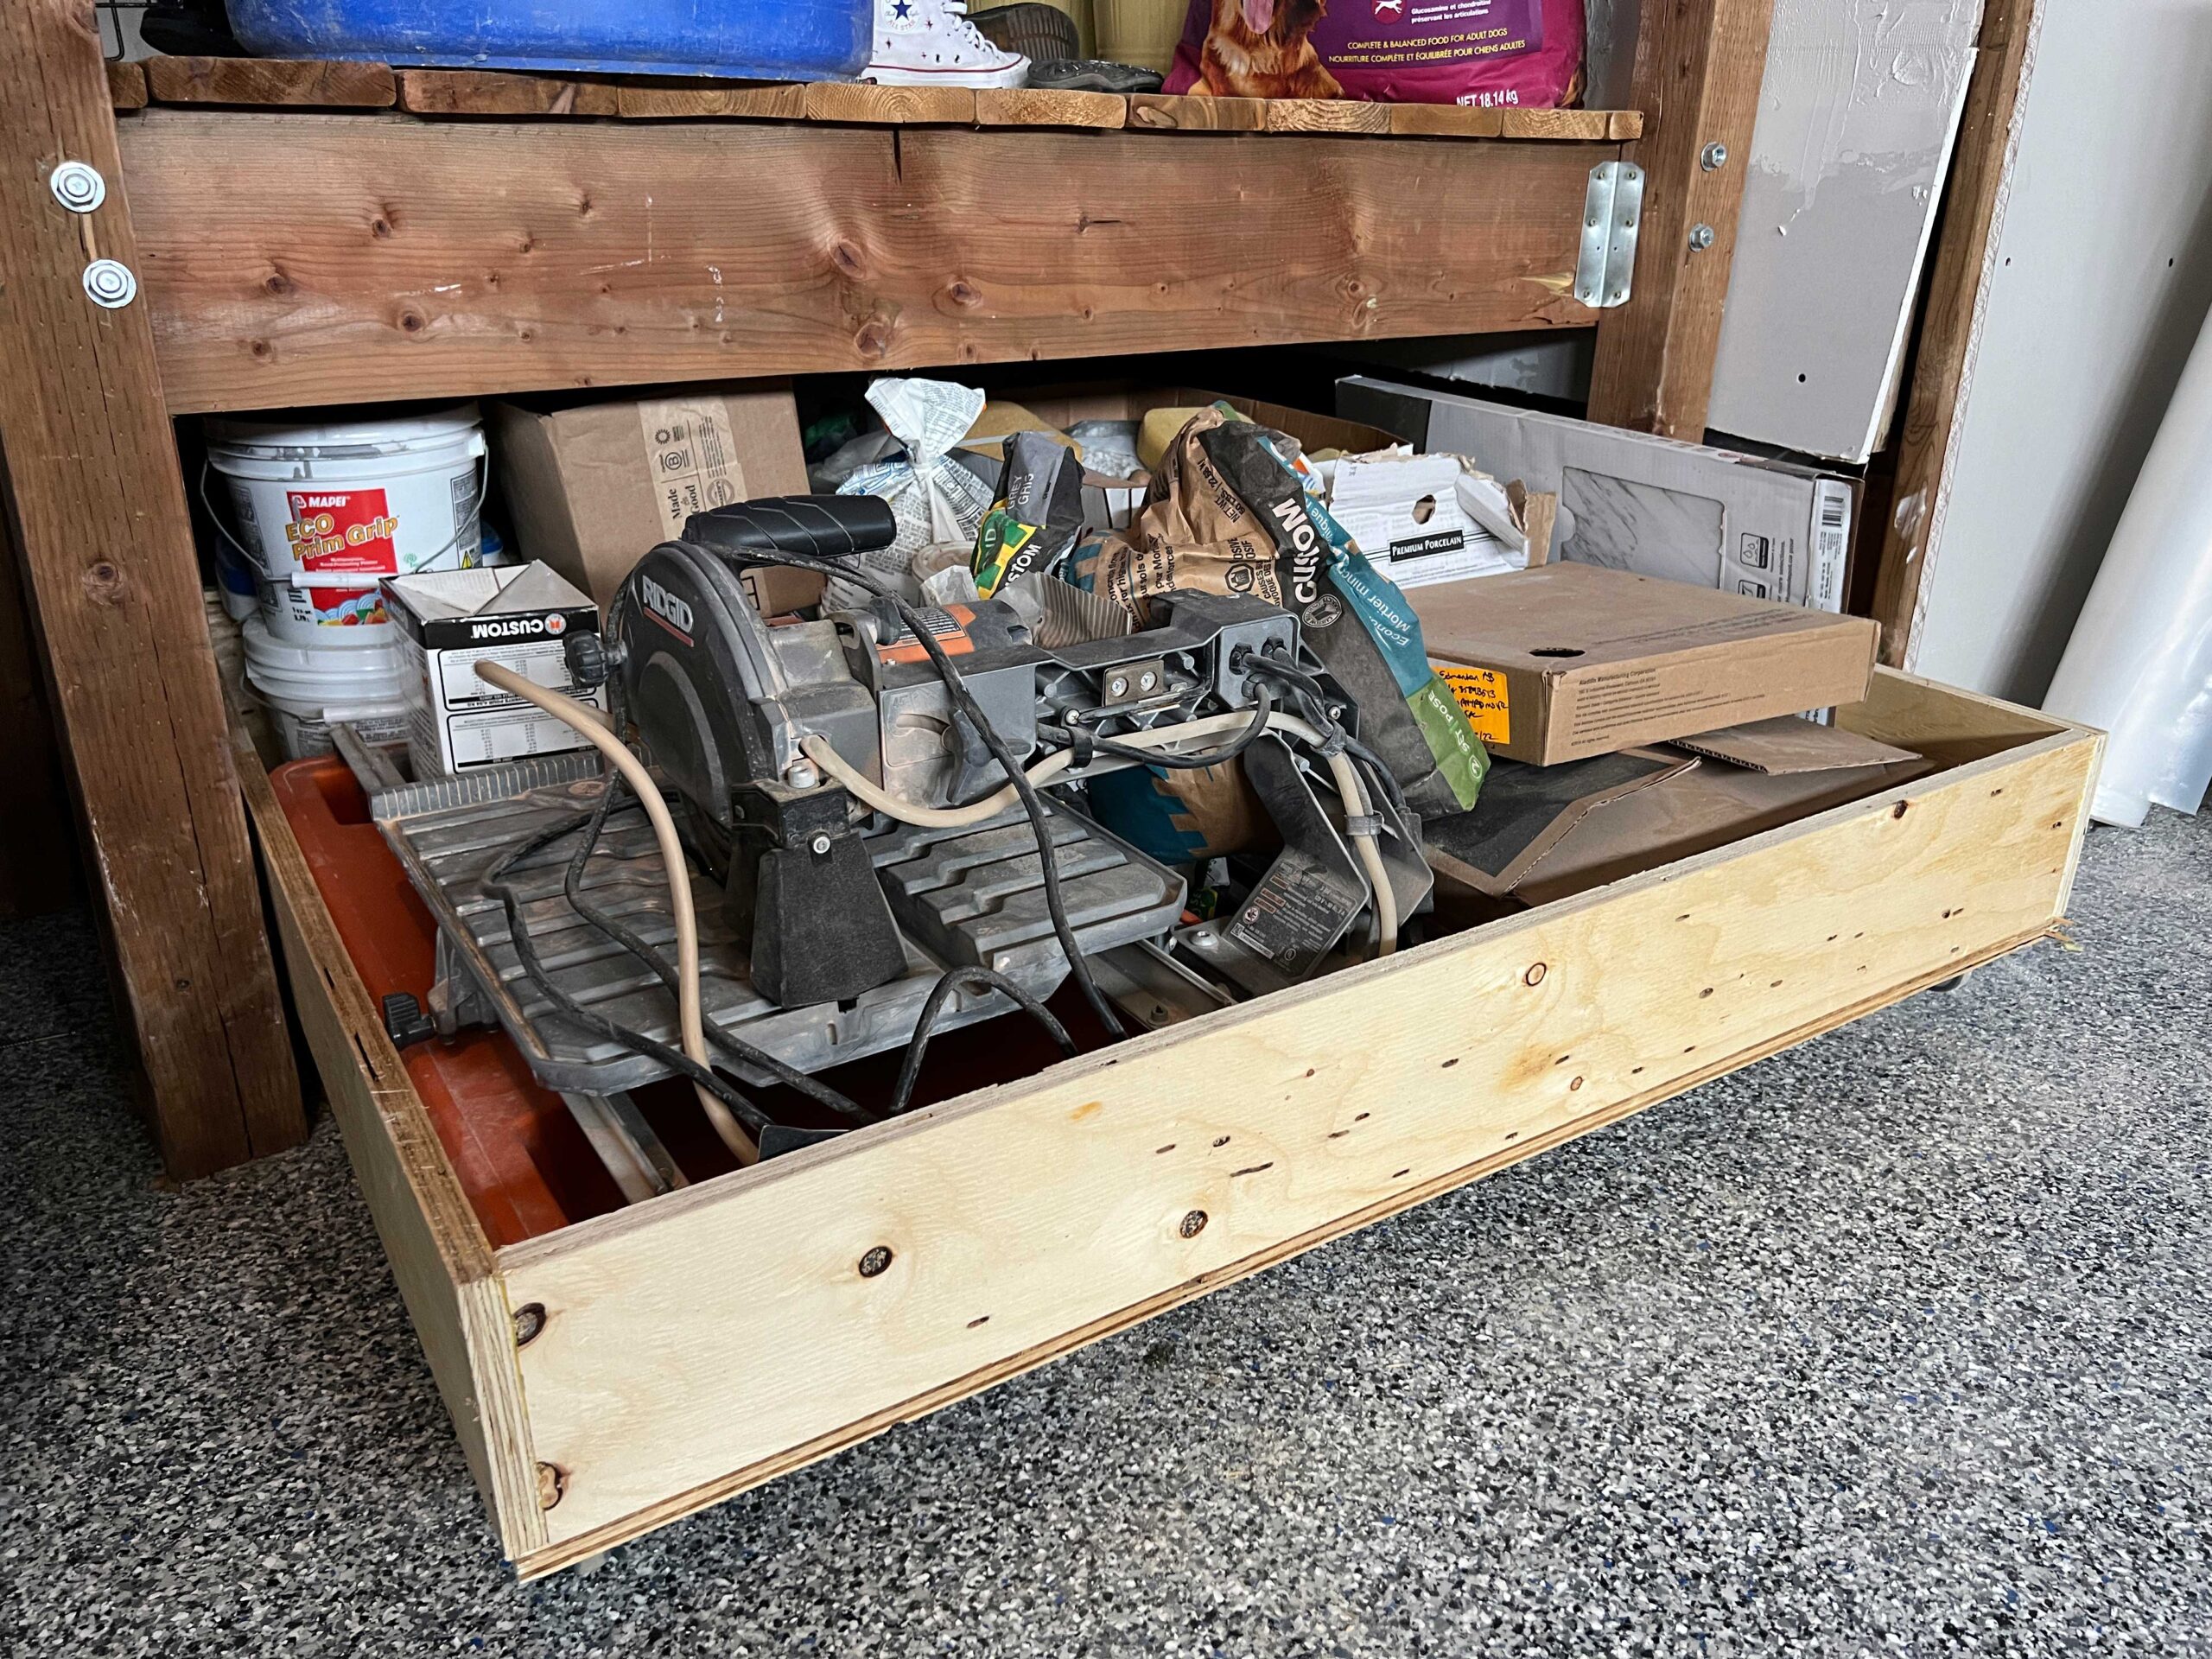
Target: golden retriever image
{"x":1261,"y":49}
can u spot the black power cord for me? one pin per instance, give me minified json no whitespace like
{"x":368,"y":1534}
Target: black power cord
{"x":932,"y":1009}
{"x":1317,"y":711}
{"x":731,"y":1048}
{"x":965,"y":700}
{"x":495,"y":880}
{"x":1263,"y":707}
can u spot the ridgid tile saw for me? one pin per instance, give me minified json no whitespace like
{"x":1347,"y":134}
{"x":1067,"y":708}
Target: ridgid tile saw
{"x":820,"y":839}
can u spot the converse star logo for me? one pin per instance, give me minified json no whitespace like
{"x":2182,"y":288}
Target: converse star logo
{"x":902,"y":10}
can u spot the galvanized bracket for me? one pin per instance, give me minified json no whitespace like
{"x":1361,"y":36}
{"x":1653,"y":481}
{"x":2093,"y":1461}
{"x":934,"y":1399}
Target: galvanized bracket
{"x":1610,"y":213}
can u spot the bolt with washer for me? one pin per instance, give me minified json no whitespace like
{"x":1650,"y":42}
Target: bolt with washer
{"x":801,"y":774}
{"x":1714,"y":158}
{"x":78,"y":186}
{"x":1117,"y":686}
{"x":110,"y":284}
{"x":1701,"y":237}
{"x":819,"y":845}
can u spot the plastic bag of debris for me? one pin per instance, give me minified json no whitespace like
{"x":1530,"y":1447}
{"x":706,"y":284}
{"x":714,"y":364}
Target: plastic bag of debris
{"x":937,"y":501}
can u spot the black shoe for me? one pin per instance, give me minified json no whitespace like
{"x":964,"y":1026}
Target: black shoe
{"x":1034,"y":31}
{"x":1092,"y":75}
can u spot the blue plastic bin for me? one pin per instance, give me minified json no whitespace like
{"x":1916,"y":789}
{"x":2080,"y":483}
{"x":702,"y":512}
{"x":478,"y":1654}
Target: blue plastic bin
{"x":750,"y":40}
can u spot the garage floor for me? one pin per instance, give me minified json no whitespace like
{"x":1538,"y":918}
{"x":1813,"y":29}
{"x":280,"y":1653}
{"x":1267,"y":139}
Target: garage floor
{"x":1900,"y":1341}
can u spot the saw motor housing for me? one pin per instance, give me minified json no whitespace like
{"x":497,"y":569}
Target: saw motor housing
{"x":721,"y":701}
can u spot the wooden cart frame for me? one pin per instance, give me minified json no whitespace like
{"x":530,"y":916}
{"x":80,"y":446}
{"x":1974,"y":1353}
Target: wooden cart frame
{"x":453,"y":233}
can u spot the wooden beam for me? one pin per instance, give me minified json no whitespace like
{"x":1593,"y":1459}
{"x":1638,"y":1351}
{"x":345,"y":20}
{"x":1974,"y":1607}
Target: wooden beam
{"x":107,"y":553}
{"x":1041,"y":106}
{"x":300,"y":259}
{"x":126,"y":85}
{"x":1972,"y":220}
{"x":495,"y":92}
{"x":299,"y":83}
{"x":1699,"y":64}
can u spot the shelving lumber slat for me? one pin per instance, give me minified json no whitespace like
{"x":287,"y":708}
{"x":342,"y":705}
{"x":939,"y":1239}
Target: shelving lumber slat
{"x":293,"y":259}
{"x":97,"y":500}
{"x":1699,"y":67}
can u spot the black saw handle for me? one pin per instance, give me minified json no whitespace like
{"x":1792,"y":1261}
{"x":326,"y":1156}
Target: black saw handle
{"x":812,"y":526}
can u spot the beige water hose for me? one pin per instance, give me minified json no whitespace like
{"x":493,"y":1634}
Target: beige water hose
{"x":590,"y":724}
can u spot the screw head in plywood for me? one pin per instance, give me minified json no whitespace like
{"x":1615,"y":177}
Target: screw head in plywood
{"x":110,"y":284}
{"x":78,"y":186}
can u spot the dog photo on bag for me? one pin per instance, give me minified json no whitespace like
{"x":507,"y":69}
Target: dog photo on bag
{"x":1264,"y":48}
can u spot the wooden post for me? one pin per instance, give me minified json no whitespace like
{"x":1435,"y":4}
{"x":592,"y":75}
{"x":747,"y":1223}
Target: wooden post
{"x":1699,"y":64}
{"x":1989,"y":135}
{"x":113,"y":583}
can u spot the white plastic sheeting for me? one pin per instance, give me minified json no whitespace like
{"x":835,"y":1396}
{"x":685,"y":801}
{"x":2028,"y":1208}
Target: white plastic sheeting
{"x":2140,"y":662}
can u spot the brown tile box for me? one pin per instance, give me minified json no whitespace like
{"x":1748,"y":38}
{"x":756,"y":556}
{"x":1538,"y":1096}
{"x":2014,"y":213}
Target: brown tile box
{"x":593,"y":486}
{"x":1567,"y":661}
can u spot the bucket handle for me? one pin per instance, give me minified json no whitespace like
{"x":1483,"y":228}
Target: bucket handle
{"x":481,"y":465}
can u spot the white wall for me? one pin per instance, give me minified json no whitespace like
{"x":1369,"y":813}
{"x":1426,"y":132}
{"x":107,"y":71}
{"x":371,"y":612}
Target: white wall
{"x":2100,"y":280}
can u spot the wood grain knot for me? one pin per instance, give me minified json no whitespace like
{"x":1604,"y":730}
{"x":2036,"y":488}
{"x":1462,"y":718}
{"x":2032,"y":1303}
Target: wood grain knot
{"x":875,"y":1261}
{"x":1535,"y":973}
{"x":874,"y":339}
{"x":1193,"y":1225}
{"x":846,"y":258}
{"x":552,"y":1483}
{"x":530,"y":1323}
{"x":104,"y":583}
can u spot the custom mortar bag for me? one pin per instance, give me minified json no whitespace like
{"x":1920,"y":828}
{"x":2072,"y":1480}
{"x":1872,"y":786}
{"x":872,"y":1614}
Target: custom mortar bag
{"x":1233,"y":509}
{"x":1486,"y":54}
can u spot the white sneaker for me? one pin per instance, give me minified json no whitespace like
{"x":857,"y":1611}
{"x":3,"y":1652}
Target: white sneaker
{"x":931,"y":44}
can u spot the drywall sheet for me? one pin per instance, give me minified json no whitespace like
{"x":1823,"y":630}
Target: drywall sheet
{"x":2096,"y":287}
{"x":1857,"y":117}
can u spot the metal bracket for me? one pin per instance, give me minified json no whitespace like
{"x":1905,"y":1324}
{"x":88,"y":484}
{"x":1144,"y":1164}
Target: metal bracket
{"x":1610,"y":213}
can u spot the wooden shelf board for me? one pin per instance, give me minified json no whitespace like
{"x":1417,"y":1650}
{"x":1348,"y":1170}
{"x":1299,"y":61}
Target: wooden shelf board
{"x":286,"y":262}
{"x":276,"y":83}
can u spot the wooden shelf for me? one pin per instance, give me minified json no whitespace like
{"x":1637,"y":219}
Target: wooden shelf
{"x":292,"y":258}
{"x":296,"y":84}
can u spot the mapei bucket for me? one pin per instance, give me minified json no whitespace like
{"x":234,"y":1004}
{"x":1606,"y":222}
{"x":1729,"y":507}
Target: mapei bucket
{"x":323,"y":510}
{"x":308,"y":689}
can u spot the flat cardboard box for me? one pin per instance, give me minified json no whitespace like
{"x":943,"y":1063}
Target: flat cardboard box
{"x":1565,"y":661}
{"x":1545,"y":832}
{"x":520,"y":616}
{"x":1738,"y":524}
{"x":592,"y":488}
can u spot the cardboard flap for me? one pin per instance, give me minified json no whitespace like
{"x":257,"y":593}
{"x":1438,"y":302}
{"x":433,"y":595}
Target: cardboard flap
{"x":1787,"y":745}
{"x":1525,"y":811}
{"x":1691,"y":812}
{"x":439,"y":595}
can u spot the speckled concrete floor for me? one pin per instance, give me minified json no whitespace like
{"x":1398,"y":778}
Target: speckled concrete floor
{"x":1901,"y":1342}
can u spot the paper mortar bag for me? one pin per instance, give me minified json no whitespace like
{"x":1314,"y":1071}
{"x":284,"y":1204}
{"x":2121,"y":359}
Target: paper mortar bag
{"x":1231,"y":511}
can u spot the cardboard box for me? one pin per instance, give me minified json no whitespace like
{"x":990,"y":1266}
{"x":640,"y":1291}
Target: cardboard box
{"x":450,"y":620}
{"x":1545,"y":832}
{"x":592,"y":488}
{"x":1739,"y":523}
{"x":1570,"y":660}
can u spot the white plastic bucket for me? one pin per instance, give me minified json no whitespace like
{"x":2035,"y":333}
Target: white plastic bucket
{"x":308,"y":689}
{"x":322,"y":511}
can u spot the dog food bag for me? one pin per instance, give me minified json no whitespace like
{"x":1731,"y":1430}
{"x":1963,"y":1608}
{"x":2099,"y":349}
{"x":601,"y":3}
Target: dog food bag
{"x":1038,"y":514}
{"x":1233,"y":509}
{"x":1486,"y":53}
